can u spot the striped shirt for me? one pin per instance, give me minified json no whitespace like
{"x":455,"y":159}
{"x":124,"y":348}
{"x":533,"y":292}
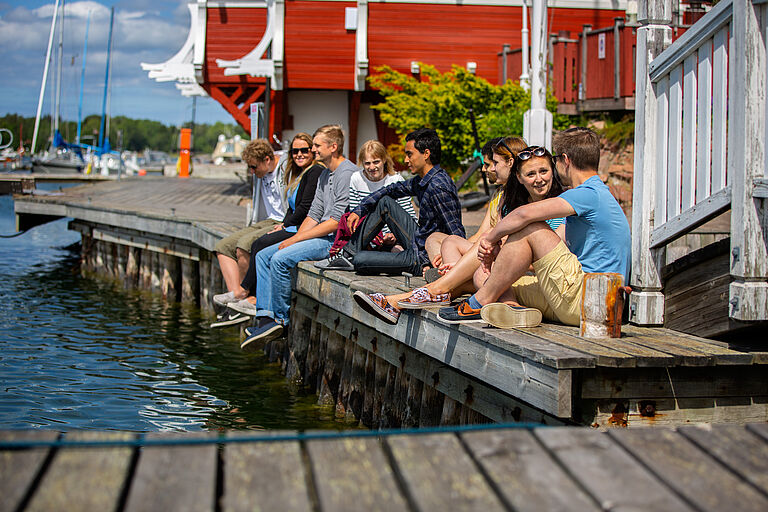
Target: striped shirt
{"x":361,"y":187}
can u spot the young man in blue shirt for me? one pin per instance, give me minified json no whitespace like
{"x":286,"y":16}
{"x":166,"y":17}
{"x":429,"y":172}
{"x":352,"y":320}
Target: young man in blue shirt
{"x":439,"y":210}
{"x":597,"y":239}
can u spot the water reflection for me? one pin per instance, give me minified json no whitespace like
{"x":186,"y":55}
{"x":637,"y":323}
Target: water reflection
{"x":84,"y":353}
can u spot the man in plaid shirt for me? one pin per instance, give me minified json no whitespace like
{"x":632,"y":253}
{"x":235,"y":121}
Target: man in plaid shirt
{"x":439,"y":210}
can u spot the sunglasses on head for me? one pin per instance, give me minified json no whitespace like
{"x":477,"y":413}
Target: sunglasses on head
{"x":504,"y":145}
{"x":530,"y":152}
{"x":296,"y":151}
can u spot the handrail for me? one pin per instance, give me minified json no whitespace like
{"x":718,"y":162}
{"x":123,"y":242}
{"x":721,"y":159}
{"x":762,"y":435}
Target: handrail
{"x":689,"y":42}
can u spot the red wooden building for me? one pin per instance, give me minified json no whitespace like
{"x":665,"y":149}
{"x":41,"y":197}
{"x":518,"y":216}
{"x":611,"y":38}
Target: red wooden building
{"x":307,"y":60}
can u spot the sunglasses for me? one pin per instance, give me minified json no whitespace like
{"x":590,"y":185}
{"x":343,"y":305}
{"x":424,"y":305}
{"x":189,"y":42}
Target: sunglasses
{"x":530,"y":152}
{"x":504,"y":145}
{"x":296,"y":151}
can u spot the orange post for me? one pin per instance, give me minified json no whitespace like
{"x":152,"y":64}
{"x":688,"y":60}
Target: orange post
{"x":185,"y":144}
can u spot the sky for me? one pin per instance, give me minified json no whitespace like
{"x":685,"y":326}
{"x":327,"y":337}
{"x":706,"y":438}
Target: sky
{"x":149,"y":31}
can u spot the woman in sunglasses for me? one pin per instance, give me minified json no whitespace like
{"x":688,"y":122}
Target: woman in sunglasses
{"x":300,"y":177}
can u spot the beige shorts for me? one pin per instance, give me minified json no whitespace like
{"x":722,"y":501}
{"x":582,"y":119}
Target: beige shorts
{"x":244,"y":238}
{"x":555,"y":290}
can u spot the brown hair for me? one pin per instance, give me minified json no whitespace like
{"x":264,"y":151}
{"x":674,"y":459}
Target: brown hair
{"x":258,"y":150}
{"x":582,"y":146}
{"x":377,"y":150}
{"x":294,"y":173}
{"x":332,"y":133}
{"x":516,"y":144}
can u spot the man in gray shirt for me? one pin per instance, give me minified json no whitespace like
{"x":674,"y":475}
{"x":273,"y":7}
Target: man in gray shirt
{"x":312,"y":241}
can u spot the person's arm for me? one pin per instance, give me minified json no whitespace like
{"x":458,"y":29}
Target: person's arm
{"x":394,"y":190}
{"x":309,"y":229}
{"x":305,"y":195}
{"x":527,"y":214}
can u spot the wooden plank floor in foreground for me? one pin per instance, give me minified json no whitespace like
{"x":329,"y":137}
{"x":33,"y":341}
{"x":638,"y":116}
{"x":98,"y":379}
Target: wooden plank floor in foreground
{"x":710,"y":468}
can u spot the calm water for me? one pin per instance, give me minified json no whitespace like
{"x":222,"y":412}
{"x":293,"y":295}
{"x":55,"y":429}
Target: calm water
{"x":79,"y":353}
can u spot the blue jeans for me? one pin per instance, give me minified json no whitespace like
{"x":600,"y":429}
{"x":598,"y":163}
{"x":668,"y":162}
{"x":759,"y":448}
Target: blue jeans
{"x":273,"y":274}
{"x":388,"y":212}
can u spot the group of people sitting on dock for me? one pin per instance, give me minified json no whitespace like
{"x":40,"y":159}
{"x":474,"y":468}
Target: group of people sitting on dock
{"x":551,"y":221}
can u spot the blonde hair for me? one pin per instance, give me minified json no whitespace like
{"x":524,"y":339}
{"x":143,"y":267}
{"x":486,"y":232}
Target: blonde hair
{"x":294,"y":173}
{"x":332,"y":133}
{"x":258,"y":150}
{"x":377,"y":150}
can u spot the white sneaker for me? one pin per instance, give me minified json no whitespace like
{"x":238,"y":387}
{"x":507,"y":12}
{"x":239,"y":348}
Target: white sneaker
{"x":244,"y":307}
{"x":223,"y":299}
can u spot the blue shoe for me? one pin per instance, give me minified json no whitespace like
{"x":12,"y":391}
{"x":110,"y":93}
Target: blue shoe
{"x":259,"y":335}
{"x":462,"y":314}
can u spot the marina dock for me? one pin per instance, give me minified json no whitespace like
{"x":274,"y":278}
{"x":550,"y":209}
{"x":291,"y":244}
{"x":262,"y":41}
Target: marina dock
{"x":706,"y":468}
{"x":157,"y":234}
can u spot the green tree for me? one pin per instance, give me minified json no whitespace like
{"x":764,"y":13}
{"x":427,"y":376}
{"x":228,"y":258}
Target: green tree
{"x":442,"y":101}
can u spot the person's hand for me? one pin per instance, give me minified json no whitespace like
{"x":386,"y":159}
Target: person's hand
{"x":287,"y":243}
{"x":487,"y":252}
{"x":352,"y":221}
{"x":444,"y":268}
{"x":438,"y":261}
{"x":388,"y":239}
{"x":278,"y":227}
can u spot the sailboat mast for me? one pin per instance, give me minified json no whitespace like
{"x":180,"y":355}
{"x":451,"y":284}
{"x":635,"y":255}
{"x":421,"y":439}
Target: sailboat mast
{"x":45,"y":78}
{"x":60,"y":56}
{"x":106,"y":80}
{"x":82,"y":80}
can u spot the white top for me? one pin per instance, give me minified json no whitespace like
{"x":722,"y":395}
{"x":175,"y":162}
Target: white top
{"x":268,"y":193}
{"x":360,"y":187}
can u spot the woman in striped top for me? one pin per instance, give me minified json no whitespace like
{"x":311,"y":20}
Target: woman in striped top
{"x":377,"y":172}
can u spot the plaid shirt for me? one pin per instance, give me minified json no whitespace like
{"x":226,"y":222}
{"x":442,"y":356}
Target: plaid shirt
{"x":439,"y":208}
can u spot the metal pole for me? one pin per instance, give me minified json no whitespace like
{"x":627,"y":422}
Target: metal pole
{"x":617,"y":22}
{"x":82,"y":81}
{"x":537,"y":122}
{"x":60,"y":56}
{"x":504,"y":53}
{"x":106,"y":82}
{"x":45,"y":78}
{"x":524,"y":78}
{"x":583,"y":85}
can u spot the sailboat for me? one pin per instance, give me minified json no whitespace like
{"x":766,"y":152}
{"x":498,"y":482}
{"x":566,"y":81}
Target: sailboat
{"x":62,"y":156}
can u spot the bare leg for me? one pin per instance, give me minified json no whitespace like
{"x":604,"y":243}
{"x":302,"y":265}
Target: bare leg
{"x":453,"y":248}
{"x":521,"y":249}
{"x":243,"y":260}
{"x":433,"y":243}
{"x":460,"y":274}
{"x":231,"y":273}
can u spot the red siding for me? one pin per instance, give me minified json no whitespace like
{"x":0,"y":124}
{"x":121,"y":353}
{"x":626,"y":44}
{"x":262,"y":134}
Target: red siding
{"x":319,"y":52}
{"x":230,"y":34}
{"x":443,"y":35}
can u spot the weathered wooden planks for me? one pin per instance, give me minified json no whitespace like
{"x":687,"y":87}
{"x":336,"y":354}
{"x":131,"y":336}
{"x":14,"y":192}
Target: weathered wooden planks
{"x":84,"y":478}
{"x":19,"y":469}
{"x":173,"y":478}
{"x":560,"y":468}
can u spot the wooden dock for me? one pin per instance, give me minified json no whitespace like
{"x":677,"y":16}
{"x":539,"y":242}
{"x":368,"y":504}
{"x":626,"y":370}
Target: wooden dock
{"x":157,"y":234}
{"x":704,"y":468}
{"x":24,"y":182}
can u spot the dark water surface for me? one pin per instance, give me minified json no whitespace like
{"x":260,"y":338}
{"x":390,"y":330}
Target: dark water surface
{"x":79,"y":353}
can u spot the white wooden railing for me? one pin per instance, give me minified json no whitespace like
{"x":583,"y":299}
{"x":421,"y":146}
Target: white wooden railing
{"x":700,"y":147}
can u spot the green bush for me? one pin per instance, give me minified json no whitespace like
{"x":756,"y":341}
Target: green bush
{"x":442,"y":101}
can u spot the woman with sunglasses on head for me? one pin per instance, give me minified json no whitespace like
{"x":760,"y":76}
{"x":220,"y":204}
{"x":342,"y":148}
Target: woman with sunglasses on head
{"x":527,"y":178}
{"x":300,"y":177}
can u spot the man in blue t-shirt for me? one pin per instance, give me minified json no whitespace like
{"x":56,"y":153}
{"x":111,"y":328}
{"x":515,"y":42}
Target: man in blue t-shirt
{"x":597,"y":239}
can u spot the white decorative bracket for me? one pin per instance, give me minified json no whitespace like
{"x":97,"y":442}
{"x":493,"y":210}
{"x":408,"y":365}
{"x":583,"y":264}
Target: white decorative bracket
{"x":252,"y":63}
{"x":180,"y":67}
